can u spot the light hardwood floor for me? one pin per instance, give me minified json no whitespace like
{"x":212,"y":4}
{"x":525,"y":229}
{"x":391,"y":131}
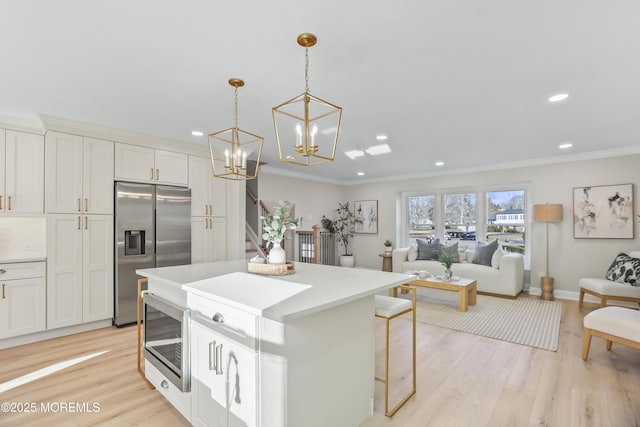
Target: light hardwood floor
{"x":463,"y":380}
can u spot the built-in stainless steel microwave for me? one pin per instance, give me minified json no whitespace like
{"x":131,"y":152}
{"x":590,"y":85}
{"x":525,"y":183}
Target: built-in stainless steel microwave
{"x":166,"y":339}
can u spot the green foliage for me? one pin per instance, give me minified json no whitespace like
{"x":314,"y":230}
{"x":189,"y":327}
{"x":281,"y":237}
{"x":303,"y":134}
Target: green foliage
{"x":446,"y":259}
{"x":388,"y":243}
{"x":343,"y":225}
{"x":277,"y":223}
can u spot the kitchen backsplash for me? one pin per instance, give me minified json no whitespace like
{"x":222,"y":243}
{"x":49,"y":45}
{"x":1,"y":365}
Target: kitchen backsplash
{"x":22,"y":239}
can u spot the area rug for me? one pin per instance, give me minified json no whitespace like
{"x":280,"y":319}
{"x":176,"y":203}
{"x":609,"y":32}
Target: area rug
{"x":525,"y":320}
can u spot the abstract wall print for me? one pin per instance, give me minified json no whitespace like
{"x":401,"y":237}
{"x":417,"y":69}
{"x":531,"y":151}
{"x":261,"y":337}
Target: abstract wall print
{"x":603,"y":212}
{"x":366,"y":216}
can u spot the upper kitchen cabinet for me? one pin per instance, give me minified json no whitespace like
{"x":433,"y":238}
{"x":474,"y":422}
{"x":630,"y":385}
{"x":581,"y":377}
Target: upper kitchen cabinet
{"x":142,"y":164}
{"x":79,"y":174}
{"x":208,"y":194}
{"x":21,"y":172}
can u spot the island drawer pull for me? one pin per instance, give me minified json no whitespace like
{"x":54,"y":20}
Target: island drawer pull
{"x":213,"y":361}
{"x":219,"y":360}
{"x":2,"y":271}
{"x":164,"y":384}
{"x":218,"y":318}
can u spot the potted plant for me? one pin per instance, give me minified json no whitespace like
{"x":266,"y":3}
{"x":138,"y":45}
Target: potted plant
{"x":446,"y":259}
{"x":343,"y":229}
{"x":388,"y":246}
{"x":274,"y":226}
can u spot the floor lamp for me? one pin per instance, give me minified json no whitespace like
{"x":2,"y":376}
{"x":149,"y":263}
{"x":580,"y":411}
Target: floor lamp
{"x":547,"y":213}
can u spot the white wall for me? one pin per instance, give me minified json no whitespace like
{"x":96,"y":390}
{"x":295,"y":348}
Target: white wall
{"x":570,"y":258}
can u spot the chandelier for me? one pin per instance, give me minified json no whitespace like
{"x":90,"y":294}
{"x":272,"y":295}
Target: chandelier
{"x":307,"y":126}
{"x":235,"y":153}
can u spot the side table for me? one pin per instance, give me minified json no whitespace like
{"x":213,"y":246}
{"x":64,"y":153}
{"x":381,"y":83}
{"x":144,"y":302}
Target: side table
{"x":386,"y":261}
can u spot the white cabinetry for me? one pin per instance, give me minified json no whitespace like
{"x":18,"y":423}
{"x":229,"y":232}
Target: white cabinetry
{"x":80,"y":273}
{"x":224,"y":377}
{"x":21,"y":172}
{"x":208,"y":212}
{"x":22,"y":303}
{"x":79,"y":174}
{"x":143,"y":164}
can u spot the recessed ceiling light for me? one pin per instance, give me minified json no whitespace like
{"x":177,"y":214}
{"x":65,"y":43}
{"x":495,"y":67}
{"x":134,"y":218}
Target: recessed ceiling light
{"x":381,"y":137}
{"x":360,"y":173}
{"x":353,"y":154}
{"x":559,"y":97}
{"x":197,"y":133}
{"x":439,"y":163}
{"x":378,"y":149}
{"x":565,"y":145}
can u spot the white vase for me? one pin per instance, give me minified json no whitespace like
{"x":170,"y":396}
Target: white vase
{"x":347,"y":260}
{"x":277,"y":255}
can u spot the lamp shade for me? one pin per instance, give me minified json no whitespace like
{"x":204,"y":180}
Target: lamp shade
{"x":547,"y":212}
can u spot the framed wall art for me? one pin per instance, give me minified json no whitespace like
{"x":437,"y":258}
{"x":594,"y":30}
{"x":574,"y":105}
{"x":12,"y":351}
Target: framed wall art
{"x":603,"y":212}
{"x":366,"y":212}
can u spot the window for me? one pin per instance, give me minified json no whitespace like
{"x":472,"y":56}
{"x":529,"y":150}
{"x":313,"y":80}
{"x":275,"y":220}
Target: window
{"x":506,"y":218}
{"x":460,"y":218}
{"x":421,"y":217}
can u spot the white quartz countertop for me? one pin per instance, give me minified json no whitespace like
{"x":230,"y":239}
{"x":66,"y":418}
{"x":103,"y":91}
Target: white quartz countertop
{"x":312,"y":288}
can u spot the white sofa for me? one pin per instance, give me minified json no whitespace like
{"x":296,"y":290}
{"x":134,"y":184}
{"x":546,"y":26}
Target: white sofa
{"x":506,"y":280}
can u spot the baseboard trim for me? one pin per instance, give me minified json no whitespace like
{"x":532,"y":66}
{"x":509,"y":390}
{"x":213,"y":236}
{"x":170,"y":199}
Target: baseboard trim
{"x":54,"y":333}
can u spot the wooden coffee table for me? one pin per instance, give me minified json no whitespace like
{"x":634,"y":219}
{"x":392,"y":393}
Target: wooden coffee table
{"x":466,"y":289}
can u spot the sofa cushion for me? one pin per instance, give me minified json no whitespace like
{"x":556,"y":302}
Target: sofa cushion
{"x":484,"y":253}
{"x":625,"y":269}
{"x":428,"y":250}
{"x":413,"y":253}
{"x":495,"y":258}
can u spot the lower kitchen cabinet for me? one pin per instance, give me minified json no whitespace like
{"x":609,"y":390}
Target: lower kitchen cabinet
{"x":23,"y":299}
{"x":224,"y":379}
{"x":80,"y":270}
{"x":208,"y":239}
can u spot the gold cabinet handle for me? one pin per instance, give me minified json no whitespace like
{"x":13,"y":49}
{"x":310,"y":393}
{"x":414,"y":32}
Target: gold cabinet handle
{"x":9,"y":202}
{"x":151,"y":174}
{"x":157,"y":174}
{"x":206,"y":224}
{"x":210,"y":209}
{"x":3,"y":285}
{"x":206,"y":209}
{"x":79,"y":210}
{"x":86,"y":223}
{"x":86,"y":205}
{"x":78,"y":222}
{"x":0,"y":203}
{"x":210,"y":223}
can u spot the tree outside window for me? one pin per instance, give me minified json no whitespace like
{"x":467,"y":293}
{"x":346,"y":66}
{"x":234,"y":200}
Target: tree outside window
{"x":421,"y":211}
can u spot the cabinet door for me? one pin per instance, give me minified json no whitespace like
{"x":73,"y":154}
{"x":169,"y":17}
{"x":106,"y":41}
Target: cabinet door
{"x":218,"y":239}
{"x":219,"y":196}
{"x":199,"y":239}
{"x":97,"y":267}
{"x":228,"y":396}
{"x":64,"y":173}
{"x":133,"y":163}
{"x":23,"y":307}
{"x":199,"y":178}
{"x":24,"y":173}
{"x":64,"y":270}
{"x":3,"y":199}
{"x":171,"y":168}
{"x":97,"y":181}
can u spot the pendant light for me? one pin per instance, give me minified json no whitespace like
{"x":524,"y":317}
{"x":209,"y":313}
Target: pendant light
{"x":307,"y":126}
{"x":235,"y":153}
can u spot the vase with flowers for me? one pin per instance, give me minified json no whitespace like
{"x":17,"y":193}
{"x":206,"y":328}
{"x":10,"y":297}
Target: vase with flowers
{"x":274,"y":226}
{"x":446,"y":259}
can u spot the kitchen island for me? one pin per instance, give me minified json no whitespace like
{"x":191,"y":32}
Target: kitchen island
{"x":295,"y":350}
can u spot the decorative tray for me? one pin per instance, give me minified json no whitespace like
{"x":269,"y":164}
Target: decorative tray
{"x":271,"y":269}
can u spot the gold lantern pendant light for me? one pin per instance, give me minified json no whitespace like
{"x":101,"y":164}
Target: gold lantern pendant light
{"x":235,"y":153}
{"x":307,"y":126}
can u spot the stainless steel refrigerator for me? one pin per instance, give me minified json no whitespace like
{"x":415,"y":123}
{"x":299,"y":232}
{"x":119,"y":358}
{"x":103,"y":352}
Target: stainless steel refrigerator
{"x":152,"y":229}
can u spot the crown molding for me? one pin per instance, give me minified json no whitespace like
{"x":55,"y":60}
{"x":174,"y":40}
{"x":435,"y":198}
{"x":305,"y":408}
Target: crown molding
{"x":58,"y":124}
{"x":22,"y":124}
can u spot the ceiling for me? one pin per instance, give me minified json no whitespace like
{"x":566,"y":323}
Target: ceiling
{"x":462,"y":82}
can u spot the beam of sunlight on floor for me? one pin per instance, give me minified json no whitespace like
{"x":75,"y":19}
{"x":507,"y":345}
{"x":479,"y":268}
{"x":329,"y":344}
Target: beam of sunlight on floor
{"x":6,"y":386}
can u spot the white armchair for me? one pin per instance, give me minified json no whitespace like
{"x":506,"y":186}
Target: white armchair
{"x":609,"y":290}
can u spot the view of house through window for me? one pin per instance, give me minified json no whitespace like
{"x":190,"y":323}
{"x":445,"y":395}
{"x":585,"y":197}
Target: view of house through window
{"x":506,"y":219}
{"x":421,"y":221}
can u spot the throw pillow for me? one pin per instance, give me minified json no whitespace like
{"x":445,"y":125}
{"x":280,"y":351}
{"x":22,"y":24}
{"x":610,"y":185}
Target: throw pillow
{"x":428,"y":250}
{"x":495,"y":259}
{"x":625,"y":269}
{"x":453,"y":250}
{"x":413,"y":253}
{"x":484,"y":253}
